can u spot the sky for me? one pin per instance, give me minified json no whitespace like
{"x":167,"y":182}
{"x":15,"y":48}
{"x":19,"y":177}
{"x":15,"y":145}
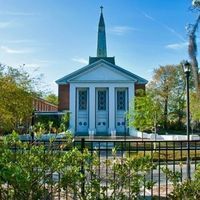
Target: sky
{"x":55,"y":38}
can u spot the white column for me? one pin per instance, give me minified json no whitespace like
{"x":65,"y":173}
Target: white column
{"x":111,"y":108}
{"x":92,"y":108}
{"x":131,"y":92}
{"x":72,"y":107}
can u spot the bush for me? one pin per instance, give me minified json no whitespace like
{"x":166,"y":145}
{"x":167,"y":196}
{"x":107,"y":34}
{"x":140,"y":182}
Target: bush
{"x":186,"y":190}
{"x":27,"y":171}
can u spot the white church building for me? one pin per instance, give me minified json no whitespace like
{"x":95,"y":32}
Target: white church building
{"x":99,"y":94}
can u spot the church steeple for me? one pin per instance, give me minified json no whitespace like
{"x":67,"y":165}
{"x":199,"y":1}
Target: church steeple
{"x":101,"y":43}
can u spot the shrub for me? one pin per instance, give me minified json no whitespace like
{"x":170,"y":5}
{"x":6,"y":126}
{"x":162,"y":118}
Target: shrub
{"x":186,"y":190}
{"x":27,"y":171}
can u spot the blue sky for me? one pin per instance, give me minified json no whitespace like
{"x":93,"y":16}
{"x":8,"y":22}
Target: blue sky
{"x":57,"y":37}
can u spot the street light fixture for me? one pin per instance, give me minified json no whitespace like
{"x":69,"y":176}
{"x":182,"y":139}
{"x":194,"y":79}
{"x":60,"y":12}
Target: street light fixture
{"x":186,"y":68}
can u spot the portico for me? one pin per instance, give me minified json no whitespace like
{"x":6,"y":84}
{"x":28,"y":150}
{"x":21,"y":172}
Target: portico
{"x":100,"y":107}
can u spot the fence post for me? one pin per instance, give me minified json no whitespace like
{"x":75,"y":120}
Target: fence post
{"x":32,"y":124}
{"x":82,"y":168}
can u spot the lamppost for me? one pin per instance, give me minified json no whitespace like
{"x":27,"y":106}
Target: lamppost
{"x":186,"y":68}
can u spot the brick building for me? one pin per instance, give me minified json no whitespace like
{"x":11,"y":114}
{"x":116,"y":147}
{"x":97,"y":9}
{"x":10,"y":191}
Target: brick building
{"x":41,"y":105}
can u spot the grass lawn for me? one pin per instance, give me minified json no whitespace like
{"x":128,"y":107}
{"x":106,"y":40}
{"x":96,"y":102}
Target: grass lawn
{"x":169,"y":155}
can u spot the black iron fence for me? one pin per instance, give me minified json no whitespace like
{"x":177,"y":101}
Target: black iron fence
{"x":104,"y":171}
{"x":164,"y":154}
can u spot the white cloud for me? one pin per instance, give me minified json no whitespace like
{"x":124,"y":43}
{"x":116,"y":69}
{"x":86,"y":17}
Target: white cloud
{"x":17,"y":13}
{"x":20,"y":41}
{"x":5,"y":24}
{"x":173,"y":31}
{"x":121,"y":30}
{"x":170,"y":29}
{"x":44,"y":61}
{"x":80,"y":60}
{"x":37,"y":63}
{"x":177,"y":46}
{"x":15,"y":51}
{"x":148,"y":16}
{"x":31,"y":65}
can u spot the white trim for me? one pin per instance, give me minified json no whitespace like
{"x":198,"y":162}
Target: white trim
{"x":92,"y":109}
{"x":131,"y":96}
{"x":99,"y":65}
{"x":72,"y":105}
{"x":111,"y":109}
{"x":102,"y":81}
{"x":66,"y":78}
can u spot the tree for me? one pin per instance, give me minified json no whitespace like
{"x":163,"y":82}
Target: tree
{"x":17,"y":93}
{"x":195,"y":111}
{"x":161,"y":85}
{"x":52,"y":98}
{"x":144,"y":112}
{"x":177,"y":99}
{"x":196,"y":3}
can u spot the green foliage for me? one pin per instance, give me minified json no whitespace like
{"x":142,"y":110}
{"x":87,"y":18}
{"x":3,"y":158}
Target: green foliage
{"x":186,"y":190}
{"x":17,"y":92}
{"x":52,"y":98}
{"x":195,"y":105}
{"x":27,"y":168}
{"x":168,"y":88}
{"x":129,"y":175}
{"x":51,"y":124}
{"x":24,"y":170}
{"x":64,"y":122}
{"x":144,"y":112}
{"x":39,"y":128}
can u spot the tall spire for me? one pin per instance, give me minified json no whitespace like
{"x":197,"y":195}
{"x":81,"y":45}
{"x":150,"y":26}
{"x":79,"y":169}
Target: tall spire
{"x":101,"y":43}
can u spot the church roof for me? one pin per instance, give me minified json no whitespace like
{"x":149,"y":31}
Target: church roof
{"x":67,"y":79}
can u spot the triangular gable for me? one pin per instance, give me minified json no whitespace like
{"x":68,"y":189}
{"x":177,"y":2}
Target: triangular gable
{"x":101,"y":71}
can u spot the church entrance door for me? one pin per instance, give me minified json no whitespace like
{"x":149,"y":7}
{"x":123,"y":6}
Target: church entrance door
{"x":82,"y":110}
{"x":102,"y":110}
{"x":120,"y":109}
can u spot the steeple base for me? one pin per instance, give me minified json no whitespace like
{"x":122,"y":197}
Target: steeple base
{"x":108,"y":59}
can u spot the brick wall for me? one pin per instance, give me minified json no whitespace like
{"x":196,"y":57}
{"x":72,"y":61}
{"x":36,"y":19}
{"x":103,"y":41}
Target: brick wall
{"x":41,"y":105}
{"x":63,"y":97}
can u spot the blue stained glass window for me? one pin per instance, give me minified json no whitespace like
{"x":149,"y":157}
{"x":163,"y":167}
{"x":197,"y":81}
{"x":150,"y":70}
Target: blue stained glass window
{"x":82,"y":99}
{"x":102,"y":100}
{"x":121,"y":100}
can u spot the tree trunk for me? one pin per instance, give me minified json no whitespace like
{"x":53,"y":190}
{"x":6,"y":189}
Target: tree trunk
{"x":166,"y":113}
{"x":192,"y":51}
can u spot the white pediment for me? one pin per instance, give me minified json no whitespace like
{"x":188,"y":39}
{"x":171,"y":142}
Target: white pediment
{"x":102,"y":72}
